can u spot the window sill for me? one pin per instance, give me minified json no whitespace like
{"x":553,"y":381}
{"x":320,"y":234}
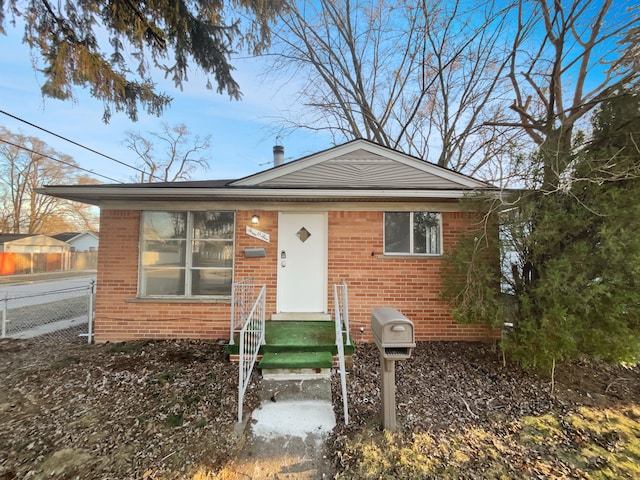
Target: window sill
{"x":179,"y":300}
{"x":414,"y":256}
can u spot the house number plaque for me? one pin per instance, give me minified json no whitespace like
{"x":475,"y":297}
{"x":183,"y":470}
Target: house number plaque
{"x":252,"y":232}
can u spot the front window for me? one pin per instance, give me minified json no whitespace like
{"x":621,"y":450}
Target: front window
{"x":412,"y":233}
{"x":186,"y":253}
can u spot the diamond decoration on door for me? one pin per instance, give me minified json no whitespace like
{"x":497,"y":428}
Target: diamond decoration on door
{"x":303,"y":234}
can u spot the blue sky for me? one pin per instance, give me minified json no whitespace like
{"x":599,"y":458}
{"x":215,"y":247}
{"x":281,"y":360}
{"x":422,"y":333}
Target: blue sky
{"x":243,"y":132}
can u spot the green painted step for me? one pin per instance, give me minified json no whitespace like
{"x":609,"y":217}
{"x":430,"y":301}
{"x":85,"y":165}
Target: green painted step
{"x":292,"y":336}
{"x":296,"y":360}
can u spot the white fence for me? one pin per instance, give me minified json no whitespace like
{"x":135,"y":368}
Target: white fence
{"x":57,"y":315}
{"x":13,"y":263}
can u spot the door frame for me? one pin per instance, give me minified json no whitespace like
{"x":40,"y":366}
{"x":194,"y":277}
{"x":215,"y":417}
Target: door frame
{"x":325,"y":254}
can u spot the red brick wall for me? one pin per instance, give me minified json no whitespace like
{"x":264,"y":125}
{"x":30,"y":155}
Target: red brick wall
{"x":410,"y":284}
{"x":264,"y":269}
{"x":120,"y":318}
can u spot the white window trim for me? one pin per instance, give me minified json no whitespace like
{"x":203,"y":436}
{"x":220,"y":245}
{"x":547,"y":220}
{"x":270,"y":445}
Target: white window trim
{"x":188,"y":260}
{"x":411,"y":239}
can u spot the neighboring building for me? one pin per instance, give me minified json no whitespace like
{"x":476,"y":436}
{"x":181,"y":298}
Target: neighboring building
{"x":80,"y":241}
{"x":379,"y":219}
{"x":28,"y":243}
{"x":26,"y":253}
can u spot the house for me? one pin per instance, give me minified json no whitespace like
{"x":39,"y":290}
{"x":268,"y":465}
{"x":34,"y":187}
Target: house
{"x":376,"y":218}
{"x":85,"y":241}
{"x":28,"y":253}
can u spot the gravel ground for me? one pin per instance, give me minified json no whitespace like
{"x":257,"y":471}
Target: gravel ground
{"x":167,"y":409}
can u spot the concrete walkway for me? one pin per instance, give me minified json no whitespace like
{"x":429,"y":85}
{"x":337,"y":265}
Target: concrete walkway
{"x":286,"y":434}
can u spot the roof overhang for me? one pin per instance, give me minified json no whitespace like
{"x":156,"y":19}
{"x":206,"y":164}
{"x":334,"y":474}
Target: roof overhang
{"x":97,"y":194}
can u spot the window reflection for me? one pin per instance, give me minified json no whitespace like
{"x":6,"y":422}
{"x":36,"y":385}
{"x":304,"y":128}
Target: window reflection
{"x":177,"y":260}
{"x":412,"y":232}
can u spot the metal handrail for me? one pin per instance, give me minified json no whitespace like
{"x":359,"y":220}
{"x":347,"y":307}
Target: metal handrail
{"x":242,"y":300}
{"x":251,"y":338}
{"x":342,"y":315}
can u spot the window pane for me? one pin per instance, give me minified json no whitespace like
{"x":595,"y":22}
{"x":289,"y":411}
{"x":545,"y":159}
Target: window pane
{"x":213,"y":225}
{"x":396,"y":232}
{"x":426,"y":232}
{"x":163,"y":281}
{"x":156,"y":225}
{"x":433,"y":240}
{"x":419,"y":237}
{"x":213,"y":254}
{"x":211,"y":282}
{"x":167,"y":253}
{"x":168,"y":248}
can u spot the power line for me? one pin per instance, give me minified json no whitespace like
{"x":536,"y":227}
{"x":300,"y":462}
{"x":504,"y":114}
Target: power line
{"x":79,"y":145}
{"x":44,"y":155}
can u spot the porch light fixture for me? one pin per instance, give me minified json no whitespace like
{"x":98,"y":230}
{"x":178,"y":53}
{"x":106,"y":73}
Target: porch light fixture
{"x":255,"y":219}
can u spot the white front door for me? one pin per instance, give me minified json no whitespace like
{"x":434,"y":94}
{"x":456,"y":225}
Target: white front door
{"x":302,"y":262}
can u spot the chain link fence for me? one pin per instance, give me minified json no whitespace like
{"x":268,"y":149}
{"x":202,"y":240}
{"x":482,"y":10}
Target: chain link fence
{"x":64,"y":315}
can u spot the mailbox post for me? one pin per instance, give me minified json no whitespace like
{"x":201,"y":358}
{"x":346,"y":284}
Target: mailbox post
{"x":393,"y":334}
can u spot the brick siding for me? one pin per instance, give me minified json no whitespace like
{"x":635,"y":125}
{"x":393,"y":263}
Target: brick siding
{"x":355,"y":252}
{"x":409,"y":283}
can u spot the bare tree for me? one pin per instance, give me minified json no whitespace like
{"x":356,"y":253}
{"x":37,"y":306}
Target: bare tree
{"x":568,"y":57}
{"x":168,"y":156}
{"x":25,"y":164}
{"x":420,"y":77}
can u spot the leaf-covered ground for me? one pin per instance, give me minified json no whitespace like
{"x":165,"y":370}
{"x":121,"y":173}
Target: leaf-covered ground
{"x":167,"y":409}
{"x":129,"y":410}
{"x":463,"y":412}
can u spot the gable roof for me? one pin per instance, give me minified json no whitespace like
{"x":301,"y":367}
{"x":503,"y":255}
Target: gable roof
{"x":10,"y":237}
{"x":72,"y":236}
{"x":361,"y":164}
{"x":30,"y":239}
{"x":357,"y":170}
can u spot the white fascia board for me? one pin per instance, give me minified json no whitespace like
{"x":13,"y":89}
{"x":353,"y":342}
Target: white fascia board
{"x":218,"y":193}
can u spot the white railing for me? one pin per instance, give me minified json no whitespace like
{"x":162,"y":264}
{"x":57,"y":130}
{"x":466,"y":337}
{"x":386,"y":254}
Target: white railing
{"x":242,"y":300}
{"x":250,"y":339}
{"x":341,"y":302}
{"x":341,"y":299}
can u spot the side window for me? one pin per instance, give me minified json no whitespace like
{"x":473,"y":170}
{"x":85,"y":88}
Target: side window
{"x":186,"y":253}
{"x":416,"y":233}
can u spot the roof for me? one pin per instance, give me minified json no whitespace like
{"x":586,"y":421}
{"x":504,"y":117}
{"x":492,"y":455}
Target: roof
{"x":358,"y":170}
{"x":29,"y":239}
{"x":10,"y":237}
{"x":68,"y":236}
{"x":361,"y":164}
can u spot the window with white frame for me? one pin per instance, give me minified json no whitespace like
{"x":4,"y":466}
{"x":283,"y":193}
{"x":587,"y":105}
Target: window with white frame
{"x":186,"y":254}
{"x":413,"y":233}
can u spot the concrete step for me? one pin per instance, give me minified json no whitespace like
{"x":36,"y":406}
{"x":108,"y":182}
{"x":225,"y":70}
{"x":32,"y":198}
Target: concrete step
{"x":274,"y":389}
